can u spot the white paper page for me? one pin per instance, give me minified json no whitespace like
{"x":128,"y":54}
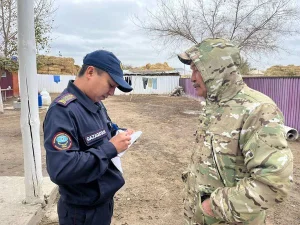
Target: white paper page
{"x":117,"y":160}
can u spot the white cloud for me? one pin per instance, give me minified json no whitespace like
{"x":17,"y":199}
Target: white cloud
{"x":84,"y":26}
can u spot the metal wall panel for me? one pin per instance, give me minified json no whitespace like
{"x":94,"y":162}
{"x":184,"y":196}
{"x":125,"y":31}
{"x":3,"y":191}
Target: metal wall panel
{"x":165,"y":84}
{"x":285,"y":91}
{"x":47,"y":82}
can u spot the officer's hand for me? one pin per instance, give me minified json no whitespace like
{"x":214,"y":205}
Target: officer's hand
{"x":121,"y":141}
{"x":130,"y":131}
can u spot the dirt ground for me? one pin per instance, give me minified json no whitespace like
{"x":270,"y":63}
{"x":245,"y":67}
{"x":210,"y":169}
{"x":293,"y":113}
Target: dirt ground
{"x":152,"y":167}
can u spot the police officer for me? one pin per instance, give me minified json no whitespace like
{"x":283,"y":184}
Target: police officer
{"x":80,"y":142}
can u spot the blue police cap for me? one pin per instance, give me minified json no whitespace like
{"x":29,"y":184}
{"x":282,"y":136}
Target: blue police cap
{"x":109,"y":63}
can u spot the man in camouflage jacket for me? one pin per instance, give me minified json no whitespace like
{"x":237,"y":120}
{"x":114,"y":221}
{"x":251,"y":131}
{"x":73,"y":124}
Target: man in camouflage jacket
{"x":241,"y":164}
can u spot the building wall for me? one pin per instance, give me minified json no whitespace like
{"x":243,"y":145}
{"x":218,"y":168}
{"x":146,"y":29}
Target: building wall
{"x":285,"y":91}
{"x":15,"y":84}
{"x":47,"y":82}
{"x":6,"y":81}
{"x":165,"y":84}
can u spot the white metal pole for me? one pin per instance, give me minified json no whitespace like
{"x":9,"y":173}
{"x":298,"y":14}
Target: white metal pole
{"x":30,"y":122}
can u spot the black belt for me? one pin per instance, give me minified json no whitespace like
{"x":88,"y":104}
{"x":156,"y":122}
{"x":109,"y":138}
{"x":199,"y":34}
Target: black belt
{"x":87,"y":207}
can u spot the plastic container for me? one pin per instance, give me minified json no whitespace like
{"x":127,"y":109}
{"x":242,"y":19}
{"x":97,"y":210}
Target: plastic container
{"x":40,"y":100}
{"x":46,"y":97}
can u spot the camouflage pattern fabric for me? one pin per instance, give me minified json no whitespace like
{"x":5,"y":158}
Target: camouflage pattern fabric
{"x":241,"y":160}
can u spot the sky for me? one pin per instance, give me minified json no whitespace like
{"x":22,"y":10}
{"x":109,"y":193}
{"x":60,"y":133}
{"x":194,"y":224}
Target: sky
{"x":82,"y":26}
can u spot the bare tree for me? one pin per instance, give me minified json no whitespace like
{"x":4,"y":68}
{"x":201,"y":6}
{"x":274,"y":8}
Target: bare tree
{"x":43,"y":20}
{"x":44,"y":12}
{"x":257,"y":26}
{"x":8,"y":29}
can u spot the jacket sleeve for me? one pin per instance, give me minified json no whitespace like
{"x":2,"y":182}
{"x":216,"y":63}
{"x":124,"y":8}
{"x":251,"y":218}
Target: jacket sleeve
{"x":269,"y":162}
{"x":66,"y":164}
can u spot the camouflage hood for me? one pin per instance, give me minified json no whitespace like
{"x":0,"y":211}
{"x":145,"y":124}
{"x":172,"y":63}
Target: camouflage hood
{"x":218,"y":61}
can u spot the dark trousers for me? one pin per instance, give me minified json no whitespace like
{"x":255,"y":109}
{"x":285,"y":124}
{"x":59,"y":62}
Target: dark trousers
{"x":73,"y":215}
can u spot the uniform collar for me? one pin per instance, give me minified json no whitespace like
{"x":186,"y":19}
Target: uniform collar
{"x":82,"y":98}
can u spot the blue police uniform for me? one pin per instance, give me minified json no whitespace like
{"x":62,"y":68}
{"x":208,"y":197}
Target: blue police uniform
{"x":78,"y":154}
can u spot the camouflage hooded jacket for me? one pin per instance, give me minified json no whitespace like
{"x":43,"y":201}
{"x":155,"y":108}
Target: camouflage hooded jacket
{"x":241,"y":160}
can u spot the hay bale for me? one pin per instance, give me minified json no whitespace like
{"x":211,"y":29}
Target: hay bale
{"x":43,"y":72}
{"x":153,"y":67}
{"x":290,"y":70}
{"x":57,"y":65}
{"x":68,"y":68}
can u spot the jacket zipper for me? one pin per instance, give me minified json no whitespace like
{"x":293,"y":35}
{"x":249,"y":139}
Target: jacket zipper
{"x":216,"y":163}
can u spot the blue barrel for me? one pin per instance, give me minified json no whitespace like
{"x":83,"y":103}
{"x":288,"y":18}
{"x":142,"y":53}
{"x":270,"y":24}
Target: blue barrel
{"x":40,"y":101}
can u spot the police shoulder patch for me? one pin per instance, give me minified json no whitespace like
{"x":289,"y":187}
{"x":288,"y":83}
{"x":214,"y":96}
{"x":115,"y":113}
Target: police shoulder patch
{"x":61,"y":141}
{"x":65,"y":99}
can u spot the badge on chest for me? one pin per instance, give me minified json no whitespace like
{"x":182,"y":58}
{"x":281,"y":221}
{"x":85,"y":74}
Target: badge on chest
{"x":95,"y":136}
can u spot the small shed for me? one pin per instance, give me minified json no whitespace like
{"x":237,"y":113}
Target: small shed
{"x":6,"y":82}
{"x":9,"y":80}
{"x":151,"y":82}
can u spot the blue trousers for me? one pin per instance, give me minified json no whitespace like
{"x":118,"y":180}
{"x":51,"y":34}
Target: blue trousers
{"x":73,"y":215}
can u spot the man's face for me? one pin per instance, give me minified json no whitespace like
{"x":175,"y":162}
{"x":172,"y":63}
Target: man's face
{"x":198,"y":82}
{"x":100,"y":86}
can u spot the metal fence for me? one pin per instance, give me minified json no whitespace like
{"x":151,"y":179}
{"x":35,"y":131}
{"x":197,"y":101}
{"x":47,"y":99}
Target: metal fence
{"x":285,"y":91}
{"x":52,"y":85}
{"x":151,"y":84}
{"x":141,"y":84}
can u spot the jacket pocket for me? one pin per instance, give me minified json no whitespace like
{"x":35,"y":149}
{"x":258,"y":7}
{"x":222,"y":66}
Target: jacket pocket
{"x":228,"y":159}
{"x":200,"y":216}
{"x":70,"y":215}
